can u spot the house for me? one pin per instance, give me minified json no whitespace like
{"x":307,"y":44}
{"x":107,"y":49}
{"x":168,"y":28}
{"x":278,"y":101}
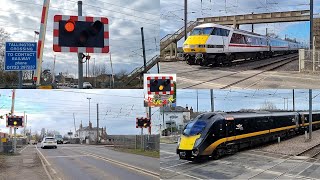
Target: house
{"x":89,"y":134}
{"x":175,"y":116}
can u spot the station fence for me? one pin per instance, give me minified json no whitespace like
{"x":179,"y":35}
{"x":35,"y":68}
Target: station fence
{"x":309,"y":60}
{"x":146,"y":142}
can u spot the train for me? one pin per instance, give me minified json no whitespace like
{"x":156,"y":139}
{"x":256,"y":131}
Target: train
{"x":214,"y":44}
{"x":216,"y":134}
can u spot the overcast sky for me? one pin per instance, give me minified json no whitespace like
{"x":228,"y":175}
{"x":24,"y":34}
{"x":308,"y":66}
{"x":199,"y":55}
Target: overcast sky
{"x":172,"y":14}
{"x":20,"y":18}
{"x":118,"y":109}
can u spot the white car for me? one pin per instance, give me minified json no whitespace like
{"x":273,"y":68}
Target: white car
{"x":87,"y":85}
{"x":49,"y":142}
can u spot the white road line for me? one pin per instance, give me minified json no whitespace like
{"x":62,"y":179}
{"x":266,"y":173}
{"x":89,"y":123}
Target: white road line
{"x":178,"y":164}
{"x":43,"y":156}
{"x":67,"y":156}
{"x":135,"y":168}
{"x":45,"y":169}
{"x":168,"y":157}
{"x":167,"y":152}
{"x":181,"y":173}
{"x":23,"y":149}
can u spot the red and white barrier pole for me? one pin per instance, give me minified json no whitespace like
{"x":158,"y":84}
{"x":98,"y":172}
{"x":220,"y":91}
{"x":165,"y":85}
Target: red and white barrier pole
{"x":42,"y":35}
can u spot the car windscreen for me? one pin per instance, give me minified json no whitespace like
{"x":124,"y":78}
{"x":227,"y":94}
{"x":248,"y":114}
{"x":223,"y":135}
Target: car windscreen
{"x":201,"y":31}
{"x":194,"y":128}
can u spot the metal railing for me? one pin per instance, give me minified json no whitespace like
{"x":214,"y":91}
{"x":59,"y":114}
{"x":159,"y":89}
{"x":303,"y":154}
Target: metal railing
{"x":147,"y":142}
{"x":169,"y":38}
{"x":139,"y":70}
{"x":309,"y":60}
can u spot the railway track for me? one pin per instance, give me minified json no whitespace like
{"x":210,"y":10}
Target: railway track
{"x":264,"y":67}
{"x":313,"y":152}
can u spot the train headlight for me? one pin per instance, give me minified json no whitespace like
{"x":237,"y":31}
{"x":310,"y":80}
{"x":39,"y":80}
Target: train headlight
{"x":201,"y":45}
{"x":186,"y":46}
{"x":198,"y":141}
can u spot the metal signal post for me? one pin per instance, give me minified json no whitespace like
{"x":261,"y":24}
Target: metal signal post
{"x":80,"y":64}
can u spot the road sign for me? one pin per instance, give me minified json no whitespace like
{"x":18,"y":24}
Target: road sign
{"x":20,"y":56}
{"x":70,"y":133}
{"x":80,"y":34}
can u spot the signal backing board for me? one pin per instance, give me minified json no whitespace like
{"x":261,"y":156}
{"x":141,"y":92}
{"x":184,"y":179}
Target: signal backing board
{"x":160,"y":90}
{"x":79,"y":20}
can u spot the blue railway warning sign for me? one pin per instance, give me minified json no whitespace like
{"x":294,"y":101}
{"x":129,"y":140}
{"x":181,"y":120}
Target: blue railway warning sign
{"x":20,"y":56}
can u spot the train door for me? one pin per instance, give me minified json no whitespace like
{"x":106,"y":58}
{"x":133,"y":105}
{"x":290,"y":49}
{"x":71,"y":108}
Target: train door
{"x":230,"y":128}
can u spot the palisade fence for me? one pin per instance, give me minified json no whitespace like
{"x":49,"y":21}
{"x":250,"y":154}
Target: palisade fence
{"x":146,"y":142}
{"x":309,"y":60}
{"x":7,"y":147}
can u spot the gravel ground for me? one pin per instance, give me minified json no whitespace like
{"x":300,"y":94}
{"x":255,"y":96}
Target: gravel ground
{"x":26,"y":166}
{"x":292,"y":146}
{"x":292,"y":66}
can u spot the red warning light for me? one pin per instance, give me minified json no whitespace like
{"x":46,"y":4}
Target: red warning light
{"x":69,"y":26}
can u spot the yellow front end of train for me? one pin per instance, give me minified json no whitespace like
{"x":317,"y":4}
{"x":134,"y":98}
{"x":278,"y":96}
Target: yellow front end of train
{"x":195,"y":44}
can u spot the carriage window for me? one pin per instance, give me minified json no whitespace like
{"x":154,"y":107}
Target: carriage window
{"x":238,"y":39}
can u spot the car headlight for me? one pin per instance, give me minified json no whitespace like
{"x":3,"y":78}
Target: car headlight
{"x":198,"y":141}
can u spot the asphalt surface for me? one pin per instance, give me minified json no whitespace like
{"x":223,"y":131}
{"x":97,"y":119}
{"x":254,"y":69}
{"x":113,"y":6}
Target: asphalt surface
{"x":249,"y":164}
{"x":195,"y":76}
{"x":97,"y":162}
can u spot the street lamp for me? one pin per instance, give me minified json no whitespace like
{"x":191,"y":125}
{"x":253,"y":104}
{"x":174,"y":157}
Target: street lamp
{"x":89,"y":108}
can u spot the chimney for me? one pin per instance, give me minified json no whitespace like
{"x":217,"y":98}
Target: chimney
{"x":191,"y":110}
{"x":187,"y":107}
{"x":90,"y":125}
{"x":81,"y":125}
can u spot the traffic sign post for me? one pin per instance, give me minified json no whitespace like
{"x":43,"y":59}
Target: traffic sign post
{"x":20,"y":56}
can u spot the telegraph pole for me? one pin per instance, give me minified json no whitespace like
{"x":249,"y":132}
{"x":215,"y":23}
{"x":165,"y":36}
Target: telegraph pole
{"x":97,"y":123}
{"x":293,"y":103}
{"x":80,"y":64}
{"x":212,"y":100}
{"x":143,"y":51}
{"x":310,"y":114}
{"x":185,"y":18}
{"x":252,"y":30}
{"x":197,"y":101}
{"x":311,"y":25}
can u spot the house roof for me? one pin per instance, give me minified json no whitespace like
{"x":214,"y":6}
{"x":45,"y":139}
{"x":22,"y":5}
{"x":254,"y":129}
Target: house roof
{"x":175,"y":109}
{"x":89,"y":129}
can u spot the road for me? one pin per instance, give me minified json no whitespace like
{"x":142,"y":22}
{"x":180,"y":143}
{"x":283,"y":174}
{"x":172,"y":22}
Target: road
{"x":249,"y":164}
{"x":195,"y":76}
{"x":97,"y":162}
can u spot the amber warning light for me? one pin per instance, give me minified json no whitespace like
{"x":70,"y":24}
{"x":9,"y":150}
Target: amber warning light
{"x":69,"y":26}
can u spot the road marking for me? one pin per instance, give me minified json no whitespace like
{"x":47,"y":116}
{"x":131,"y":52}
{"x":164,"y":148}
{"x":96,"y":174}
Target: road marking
{"x":67,"y":156}
{"x":43,"y":156}
{"x":43,"y":165}
{"x":135,"y":168}
{"x":167,"y":152}
{"x":23,"y":149}
{"x":168,"y":157}
{"x":181,"y":173}
{"x":178,"y":164}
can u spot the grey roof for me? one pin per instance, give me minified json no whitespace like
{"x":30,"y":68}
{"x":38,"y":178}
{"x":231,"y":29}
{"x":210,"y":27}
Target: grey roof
{"x":88,"y":129}
{"x":174,"y":109}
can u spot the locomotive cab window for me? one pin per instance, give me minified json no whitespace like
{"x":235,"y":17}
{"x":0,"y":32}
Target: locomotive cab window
{"x":194,"y":128}
{"x":220,"y":32}
{"x":201,"y":31}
